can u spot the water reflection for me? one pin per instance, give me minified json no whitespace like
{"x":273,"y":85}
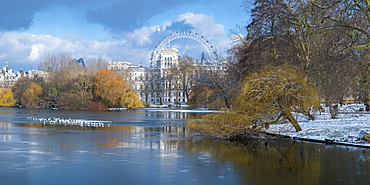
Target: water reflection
{"x":174,"y":113}
{"x":153,"y":147}
{"x":158,"y":137}
{"x":284,"y":161}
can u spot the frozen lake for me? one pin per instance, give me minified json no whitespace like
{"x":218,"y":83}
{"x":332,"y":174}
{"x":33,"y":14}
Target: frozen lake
{"x":153,"y":146}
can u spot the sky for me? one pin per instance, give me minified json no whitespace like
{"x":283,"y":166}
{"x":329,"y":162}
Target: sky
{"x":114,"y":30}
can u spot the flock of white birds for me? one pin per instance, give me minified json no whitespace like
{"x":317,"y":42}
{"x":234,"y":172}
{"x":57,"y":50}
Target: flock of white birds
{"x":70,"y":121}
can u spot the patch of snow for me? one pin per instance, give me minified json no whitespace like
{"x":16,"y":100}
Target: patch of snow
{"x":345,"y":129}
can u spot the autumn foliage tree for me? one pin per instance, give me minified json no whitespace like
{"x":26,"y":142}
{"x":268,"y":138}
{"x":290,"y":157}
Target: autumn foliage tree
{"x":268,"y":96}
{"x":274,"y":92}
{"x":31,"y":97}
{"x":19,"y":87}
{"x":110,"y":87}
{"x":6,"y":97}
{"x":131,"y":100}
{"x":70,"y":83}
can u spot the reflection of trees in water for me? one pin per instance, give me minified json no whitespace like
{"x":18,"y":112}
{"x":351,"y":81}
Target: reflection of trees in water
{"x":276,"y":161}
{"x":117,"y":136}
{"x":285,"y":161}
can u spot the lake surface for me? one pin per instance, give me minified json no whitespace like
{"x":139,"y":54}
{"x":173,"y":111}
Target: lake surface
{"x":153,"y":146}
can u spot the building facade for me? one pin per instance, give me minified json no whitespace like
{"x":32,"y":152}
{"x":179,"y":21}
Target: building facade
{"x":9,"y":77}
{"x":163,"y":84}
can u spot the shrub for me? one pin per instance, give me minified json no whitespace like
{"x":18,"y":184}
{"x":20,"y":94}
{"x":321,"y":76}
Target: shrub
{"x":268,"y":96}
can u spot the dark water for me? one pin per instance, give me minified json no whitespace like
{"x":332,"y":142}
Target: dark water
{"x":154,"y":147}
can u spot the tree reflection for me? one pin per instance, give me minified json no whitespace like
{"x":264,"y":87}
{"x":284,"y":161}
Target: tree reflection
{"x":285,"y":161}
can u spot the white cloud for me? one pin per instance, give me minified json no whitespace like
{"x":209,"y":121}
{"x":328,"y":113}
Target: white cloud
{"x":24,"y":49}
{"x":206,"y":26}
{"x":144,"y":35}
{"x":202,"y":24}
{"x":36,"y":51}
{"x":27,"y":50}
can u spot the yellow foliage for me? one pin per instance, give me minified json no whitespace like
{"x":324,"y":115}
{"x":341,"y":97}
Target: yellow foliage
{"x":110,"y":86}
{"x":266,"y":97}
{"x":31,"y":95}
{"x":131,"y":100}
{"x":207,"y":97}
{"x":276,"y":88}
{"x":223,"y":125}
{"x":6,"y":97}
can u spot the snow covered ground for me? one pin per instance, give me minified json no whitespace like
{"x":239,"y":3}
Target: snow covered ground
{"x":346,"y":129}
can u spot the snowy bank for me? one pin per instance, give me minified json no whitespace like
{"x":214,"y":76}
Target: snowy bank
{"x":345,"y":130}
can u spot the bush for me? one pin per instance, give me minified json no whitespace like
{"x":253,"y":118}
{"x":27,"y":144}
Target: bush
{"x":6,"y":97}
{"x":131,"y":100}
{"x":266,"y":97}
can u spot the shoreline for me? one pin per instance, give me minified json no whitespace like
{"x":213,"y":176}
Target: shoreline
{"x":345,"y":130}
{"x":326,"y":141}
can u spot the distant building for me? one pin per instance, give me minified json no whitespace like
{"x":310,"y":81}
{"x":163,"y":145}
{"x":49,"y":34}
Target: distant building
{"x":168,"y":57}
{"x":9,"y":77}
{"x":164,"y":82}
{"x":120,"y":65}
{"x":37,"y":74}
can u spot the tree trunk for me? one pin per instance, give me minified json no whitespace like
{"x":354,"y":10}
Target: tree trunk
{"x":292,"y":120}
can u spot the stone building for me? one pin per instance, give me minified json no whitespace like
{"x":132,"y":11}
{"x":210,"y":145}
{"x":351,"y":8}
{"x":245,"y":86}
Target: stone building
{"x":9,"y":77}
{"x":169,"y":80}
{"x":157,"y":84}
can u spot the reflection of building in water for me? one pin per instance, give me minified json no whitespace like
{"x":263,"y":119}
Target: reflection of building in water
{"x":171,"y":129}
{"x":174,"y":115}
{"x":8,"y":138}
{"x":161,"y":135}
{"x":162,"y":144}
{"x":168,"y":115}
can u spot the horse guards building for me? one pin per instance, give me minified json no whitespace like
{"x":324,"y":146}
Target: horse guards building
{"x":163,"y":83}
{"x":9,"y":77}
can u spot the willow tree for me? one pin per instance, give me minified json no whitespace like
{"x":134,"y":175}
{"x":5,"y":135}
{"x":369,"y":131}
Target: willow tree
{"x":6,"y":97}
{"x":268,"y":96}
{"x":131,"y":100}
{"x":271,"y":95}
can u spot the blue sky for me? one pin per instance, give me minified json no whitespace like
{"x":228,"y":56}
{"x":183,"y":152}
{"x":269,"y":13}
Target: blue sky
{"x":111,"y":29}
